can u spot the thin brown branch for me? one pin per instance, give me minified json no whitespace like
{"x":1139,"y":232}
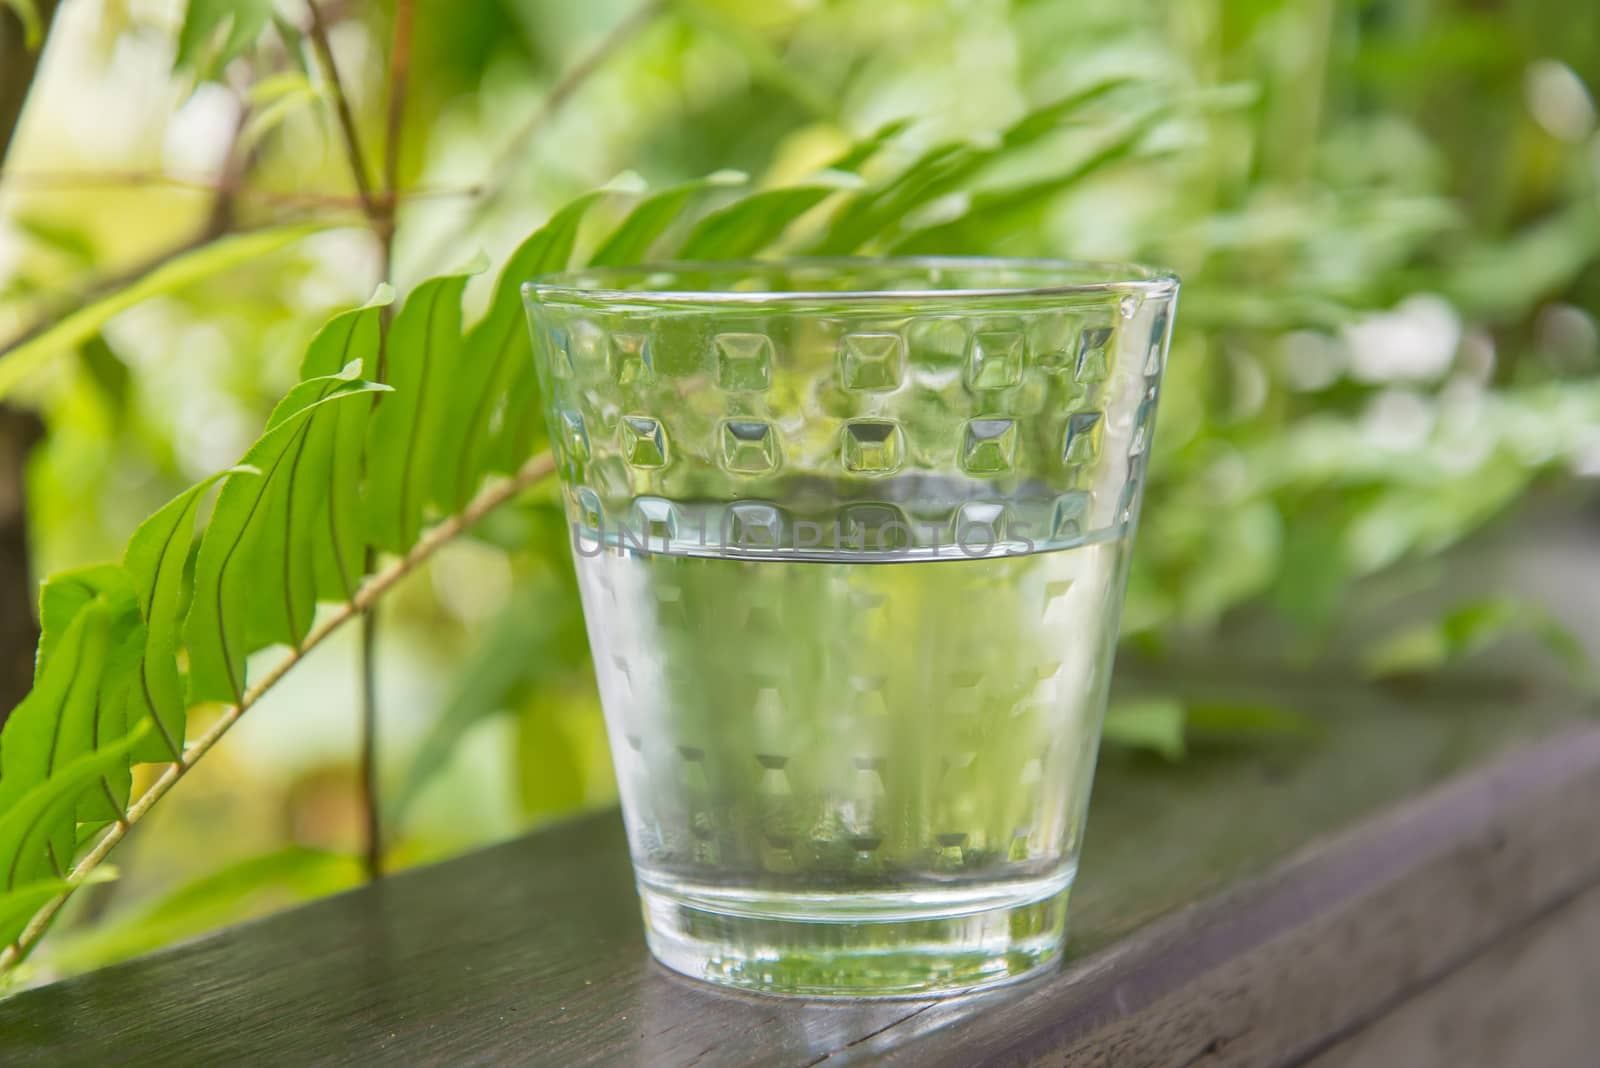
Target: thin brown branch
{"x":399,"y":80}
{"x":381,"y":214}
{"x":341,"y":106}
{"x":492,"y":497}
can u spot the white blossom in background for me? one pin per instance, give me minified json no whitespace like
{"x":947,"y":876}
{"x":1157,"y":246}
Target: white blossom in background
{"x":1558,"y":100}
{"x":1416,"y":342}
{"x":1587,"y":462}
{"x":1311,"y":360}
{"x":199,"y":133}
{"x":1398,"y":419}
{"x":1567,"y":335}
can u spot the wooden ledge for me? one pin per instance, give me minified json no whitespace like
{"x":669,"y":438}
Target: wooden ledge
{"x":1205,"y":932}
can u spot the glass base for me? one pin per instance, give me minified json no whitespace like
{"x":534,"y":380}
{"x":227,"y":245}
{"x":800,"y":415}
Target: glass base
{"x":857,"y":949}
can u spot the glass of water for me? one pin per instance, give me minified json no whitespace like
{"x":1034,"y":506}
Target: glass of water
{"x":851,"y":537}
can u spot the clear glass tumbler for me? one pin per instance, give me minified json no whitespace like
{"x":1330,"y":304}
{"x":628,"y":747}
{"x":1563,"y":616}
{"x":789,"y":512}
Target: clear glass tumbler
{"x":851,"y":538}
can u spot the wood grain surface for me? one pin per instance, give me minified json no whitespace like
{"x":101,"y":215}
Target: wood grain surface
{"x":1201,"y":925}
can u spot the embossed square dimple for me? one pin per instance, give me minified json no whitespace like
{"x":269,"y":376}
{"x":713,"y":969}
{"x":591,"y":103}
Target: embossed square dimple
{"x":1158,"y":344}
{"x":749,"y":446}
{"x":871,"y":362}
{"x":1084,"y":430}
{"x":590,"y":512}
{"x":560,"y":342}
{"x":872,"y":446}
{"x":753,"y":527}
{"x":1070,"y":516}
{"x":875,"y":527}
{"x":1092,"y":361}
{"x":744,"y":361}
{"x":644,"y":441}
{"x":1141,"y":427}
{"x":656,"y":520}
{"x":979,"y":527}
{"x":574,"y":436}
{"x":870,"y":527}
{"x":990,"y":446}
{"x":631,"y":359}
{"x":994,"y":360}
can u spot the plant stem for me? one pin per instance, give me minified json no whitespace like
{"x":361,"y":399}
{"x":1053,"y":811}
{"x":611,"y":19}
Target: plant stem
{"x":341,"y":107}
{"x":372,"y":820}
{"x":531,"y":473}
{"x":382,"y":217}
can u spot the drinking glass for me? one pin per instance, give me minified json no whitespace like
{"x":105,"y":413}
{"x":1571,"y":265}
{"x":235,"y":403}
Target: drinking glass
{"x":851,"y":538}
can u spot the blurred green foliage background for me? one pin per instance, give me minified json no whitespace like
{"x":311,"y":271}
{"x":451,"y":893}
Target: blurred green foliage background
{"x":1386,"y":213}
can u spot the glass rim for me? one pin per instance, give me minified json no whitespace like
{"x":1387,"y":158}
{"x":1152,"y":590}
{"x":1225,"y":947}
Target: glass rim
{"x":589,"y":286}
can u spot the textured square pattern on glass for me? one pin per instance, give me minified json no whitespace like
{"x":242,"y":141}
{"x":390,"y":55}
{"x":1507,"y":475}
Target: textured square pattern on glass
{"x":872,"y":362}
{"x":630,"y":359}
{"x":990,"y":446}
{"x":644,"y":442}
{"x":995,"y":361}
{"x":744,"y":361}
{"x":1092,"y":365}
{"x":574,"y":437}
{"x":1084,"y":430}
{"x":873,"y":447}
{"x":749,"y":446}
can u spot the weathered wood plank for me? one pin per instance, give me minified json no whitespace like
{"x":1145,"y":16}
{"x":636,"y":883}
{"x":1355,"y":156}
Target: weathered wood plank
{"x":1528,"y":1001}
{"x":531,"y":952}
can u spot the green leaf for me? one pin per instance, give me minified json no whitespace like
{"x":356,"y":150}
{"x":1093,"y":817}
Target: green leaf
{"x":228,"y":895}
{"x":944,"y":168}
{"x":328,"y":508}
{"x":32,"y":26}
{"x":249,"y":591}
{"x":215,"y":32}
{"x":631,"y":241}
{"x":1467,"y":629}
{"x":858,"y":154}
{"x":754,"y":223}
{"x":274,"y":99}
{"x":995,"y":210}
{"x":490,"y":417}
{"x":1153,"y":724}
{"x":76,"y":328}
{"x":18,"y":906}
{"x":1246,"y":720}
{"x":64,"y":239}
{"x":1314,"y":574}
{"x":32,"y":819}
{"x":404,"y":447}
{"x":156,"y":561}
{"x":90,"y":642}
{"x":111,"y":377}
